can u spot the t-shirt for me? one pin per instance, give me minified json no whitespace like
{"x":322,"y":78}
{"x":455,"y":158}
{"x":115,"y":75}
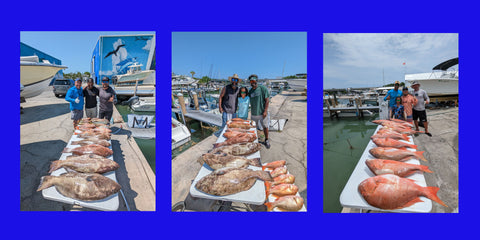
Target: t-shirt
{"x":393,"y":94}
{"x":72,"y":94}
{"x":104,"y":96}
{"x":421,"y":96}
{"x":398,"y":111}
{"x":408,"y":102}
{"x":257,"y":99}
{"x":90,"y":97}
{"x":230,"y":99}
{"x":243,"y":107}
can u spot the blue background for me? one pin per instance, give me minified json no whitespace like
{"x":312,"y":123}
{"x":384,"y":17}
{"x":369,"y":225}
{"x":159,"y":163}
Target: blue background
{"x":315,"y":19}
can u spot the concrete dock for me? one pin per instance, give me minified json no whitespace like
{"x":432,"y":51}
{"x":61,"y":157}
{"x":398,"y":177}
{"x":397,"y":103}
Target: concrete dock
{"x":289,"y":144}
{"x":45,"y":129}
{"x":441,"y":151}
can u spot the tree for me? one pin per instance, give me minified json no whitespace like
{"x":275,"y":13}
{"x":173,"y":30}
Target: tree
{"x":205,"y":79}
{"x":193,"y":73}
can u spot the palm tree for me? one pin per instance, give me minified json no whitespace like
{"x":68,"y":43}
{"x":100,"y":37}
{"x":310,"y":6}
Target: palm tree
{"x":193,"y":73}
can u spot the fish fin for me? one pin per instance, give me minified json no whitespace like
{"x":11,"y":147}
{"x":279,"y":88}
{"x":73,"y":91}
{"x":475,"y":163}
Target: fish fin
{"x":431,"y":192}
{"x":67,"y":150}
{"x":410,"y":203}
{"x":216,"y":145}
{"x":425,"y":169}
{"x":405,"y":137}
{"x":255,"y":162}
{"x":44,"y":183}
{"x":269,"y":206}
{"x":403,"y":148}
{"x":420,"y":155}
{"x":268,"y":185}
{"x":69,"y":170}
{"x":54,"y":166}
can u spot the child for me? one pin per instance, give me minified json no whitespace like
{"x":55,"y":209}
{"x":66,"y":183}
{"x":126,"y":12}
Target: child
{"x":243,"y":103}
{"x":398,"y":111}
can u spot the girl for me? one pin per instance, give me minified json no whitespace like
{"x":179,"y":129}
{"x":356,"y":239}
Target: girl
{"x":398,"y":111}
{"x":243,"y":103}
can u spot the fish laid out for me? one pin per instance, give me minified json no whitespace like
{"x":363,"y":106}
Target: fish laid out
{"x":401,"y":169}
{"x":101,"y":142}
{"x":239,"y":130}
{"x":228,"y":181}
{"x":278,"y":171}
{"x":281,"y":189}
{"x":239,"y":149}
{"x":81,"y":186}
{"x":87,"y":149}
{"x":86,"y":164}
{"x":242,"y":138}
{"x":239,"y":125}
{"x":274,"y":164}
{"x":407,"y":131}
{"x":231,"y":134}
{"x":218,"y":161}
{"x":390,"y":142}
{"x":285,"y":178}
{"x":104,"y":130}
{"x":389,"y":123}
{"x":399,"y":154}
{"x":392,"y":135}
{"x":286,"y":203}
{"x":393,"y":192}
{"x":89,"y":134}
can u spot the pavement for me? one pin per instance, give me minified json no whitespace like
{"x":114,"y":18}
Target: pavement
{"x":289,"y":145}
{"x":45,"y":129}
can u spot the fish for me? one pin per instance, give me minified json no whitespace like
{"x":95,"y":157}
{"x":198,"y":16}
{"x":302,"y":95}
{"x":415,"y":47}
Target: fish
{"x":274,"y":164}
{"x":87,"y":149}
{"x":86,"y":126}
{"x":407,"y":131}
{"x":393,"y":123}
{"x":399,"y":154}
{"x":101,"y":142}
{"x":281,"y":189}
{"x":239,"y":125}
{"x":244,"y":138}
{"x":405,"y":123}
{"x":218,"y":161}
{"x":390,"y":142}
{"x":232,"y":134}
{"x":285,"y":178}
{"x":90,"y":134}
{"x":81,"y":186}
{"x":393,"y":135}
{"x":389,"y":191}
{"x":228,"y":181}
{"x":286,"y":203}
{"x":239,"y":149}
{"x":239,"y":130}
{"x":84,"y":157}
{"x":278,"y":171}
{"x":401,"y":169}
{"x":86,"y":165}
{"x":95,"y":130}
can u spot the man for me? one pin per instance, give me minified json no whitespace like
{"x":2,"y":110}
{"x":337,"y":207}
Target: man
{"x":227,"y":102}
{"x":392,"y":95}
{"x":75,"y":97}
{"x":419,"y":109}
{"x":259,"y":99}
{"x":106,"y":94}
{"x":408,"y":101}
{"x":90,"y":92}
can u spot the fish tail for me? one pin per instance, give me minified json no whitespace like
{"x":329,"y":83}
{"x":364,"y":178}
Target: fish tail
{"x":255,"y":162}
{"x":45,"y":182}
{"x":55,"y":165}
{"x":265,"y":176}
{"x":431,"y":192}
{"x":405,"y":137}
{"x":412,"y":146}
{"x":216,"y":145}
{"x":67,"y":150}
{"x":425,"y":169}
{"x":270,"y":206}
{"x":420,"y":155}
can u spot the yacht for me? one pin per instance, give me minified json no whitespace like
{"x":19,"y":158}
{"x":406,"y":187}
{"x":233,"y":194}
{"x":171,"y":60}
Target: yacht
{"x":134,"y":73}
{"x":35,"y":75}
{"x":180,"y":134}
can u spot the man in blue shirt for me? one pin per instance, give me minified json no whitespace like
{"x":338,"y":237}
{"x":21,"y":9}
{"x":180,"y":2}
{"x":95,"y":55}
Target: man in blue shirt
{"x":392,"y":95}
{"x":75,"y":97}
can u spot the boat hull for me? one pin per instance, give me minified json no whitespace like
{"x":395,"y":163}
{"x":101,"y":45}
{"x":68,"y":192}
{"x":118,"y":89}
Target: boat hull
{"x":438,"y":87}
{"x":131,"y":78}
{"x":35,"y":77}
{"x":180,"y":134}
{"x":35,"y":89}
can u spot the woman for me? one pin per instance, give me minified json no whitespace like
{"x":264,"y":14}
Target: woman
{"x":398,"y":111}
{"x":243,"y":103}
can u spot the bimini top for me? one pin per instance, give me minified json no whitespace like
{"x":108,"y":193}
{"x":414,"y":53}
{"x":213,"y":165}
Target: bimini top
{"x":446,"y":65}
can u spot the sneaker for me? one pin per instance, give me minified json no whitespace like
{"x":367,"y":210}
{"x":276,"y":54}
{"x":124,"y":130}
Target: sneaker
{"x":267,"y":144}
{"x":429,"y":134}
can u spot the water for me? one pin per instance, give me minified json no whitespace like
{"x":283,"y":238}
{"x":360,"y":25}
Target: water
{"x":339,"y":159}
{"x":197,"y":136}
{"x":147,"y":146}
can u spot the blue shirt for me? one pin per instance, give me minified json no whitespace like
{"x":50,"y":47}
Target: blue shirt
{"x":243,"y":107}
{"x":398,"y":111}
{"x":393,"y":94}
{"x":72,"y":94}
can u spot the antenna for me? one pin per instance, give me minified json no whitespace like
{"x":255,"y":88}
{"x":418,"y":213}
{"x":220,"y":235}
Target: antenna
{"x":283,"y":70}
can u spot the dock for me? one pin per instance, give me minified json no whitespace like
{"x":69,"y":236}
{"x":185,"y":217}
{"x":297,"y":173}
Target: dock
{"x":45,"y":129}
{"x":202,"y":116}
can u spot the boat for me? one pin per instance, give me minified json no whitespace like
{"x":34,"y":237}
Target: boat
{"x":297,"y":84}
{"x":143,"y":104}
{"x":180,"y":134}
{"x":134,"y":74}
{"x":440,"y":82}
{"x":182,"y":81}
{"x":35,"y":75}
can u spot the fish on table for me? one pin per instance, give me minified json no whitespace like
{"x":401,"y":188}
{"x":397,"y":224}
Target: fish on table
{"x":90,"y":134}
{"x":95,"y":130}
{"x":238,"y":149}
{"x":239,"y":130}
{"x":285,"y":178}
{"x":218,"y":161}
{"x":81,"y":186}
{"x":88,"y":149}
{"x":232,"y":134}
{"x":399,"y":154}
{"x":274,"y":164}
{"x":389,"y":191}
{"x":242,"y":138}
{"x":390,"y":134}
{"x":390,"y":142}
{"x":401,"y":169}
{"x":83,"y":142}
{"x":278,"y":171}
{"x":85,"y":164}
{"x":281,"y":189}
{"x":228,"y":181}
{"x":286,"y":203}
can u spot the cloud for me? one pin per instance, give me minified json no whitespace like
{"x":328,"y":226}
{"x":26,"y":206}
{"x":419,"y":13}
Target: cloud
{"x":147,"y":46}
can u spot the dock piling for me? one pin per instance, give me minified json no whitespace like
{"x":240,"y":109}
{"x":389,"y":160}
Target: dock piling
{"x":195,"y":100}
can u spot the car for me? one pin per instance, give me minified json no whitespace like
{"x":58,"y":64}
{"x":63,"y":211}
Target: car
{"x":61,"y":86}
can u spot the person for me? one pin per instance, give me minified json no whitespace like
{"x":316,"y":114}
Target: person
{"x":408,"y":101}
{"x":259,"y":100}
{"x":243,"y":103}
{"x":398,"y":111}
{"x":75,"y":97}
{"x":90,"y":92}
{"x":419,"y":108}
{"x":227,"y":102}
{"x":106,"y":94}
{"x":392,"y":95}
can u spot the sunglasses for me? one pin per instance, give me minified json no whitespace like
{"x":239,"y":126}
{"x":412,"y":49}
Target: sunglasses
{"x":234,"y":79}
{"x":243,"y":92}
{"x":398,"y":100}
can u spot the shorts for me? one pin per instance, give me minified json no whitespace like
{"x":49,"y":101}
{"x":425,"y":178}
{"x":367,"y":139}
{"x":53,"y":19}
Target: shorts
{"x":409,"y":118}
{"x":91,"y":112}
{"x":261,"y":122}
{"x":77,"y":114}
{"x":105,"y":114}
{"x":422,"y":115}
{"x":226,"y":117}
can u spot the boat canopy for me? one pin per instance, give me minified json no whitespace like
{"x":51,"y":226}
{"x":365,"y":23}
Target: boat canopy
{"x":446,"y":65}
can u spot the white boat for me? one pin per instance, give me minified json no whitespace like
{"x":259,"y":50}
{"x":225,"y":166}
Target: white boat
{"x":440,"y":82}
{"x":35,"y":76}
{"x":178,"y":81}
{"x":297,"y":84}
{"x":144,"y":104}
{"x":134,"y":73}
{"x":180,"y":134}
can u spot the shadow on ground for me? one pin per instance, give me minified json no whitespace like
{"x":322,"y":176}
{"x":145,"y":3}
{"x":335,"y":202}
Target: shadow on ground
{"x":42,"y":112}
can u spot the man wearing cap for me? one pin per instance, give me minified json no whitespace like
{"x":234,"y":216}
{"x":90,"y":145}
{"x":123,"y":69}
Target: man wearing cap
{"x":75,"y":97}
{"x":90,"y":92}
{"x":392,"y":95}
{"x":227,"y":102}
{"x":259,"y":99}
{"x":419,"y":109}
{"x":106,"y":94}
{"x":408,"y":101}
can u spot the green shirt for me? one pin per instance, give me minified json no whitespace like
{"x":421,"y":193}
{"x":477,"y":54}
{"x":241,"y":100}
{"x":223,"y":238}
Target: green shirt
{"x":257,"y":99}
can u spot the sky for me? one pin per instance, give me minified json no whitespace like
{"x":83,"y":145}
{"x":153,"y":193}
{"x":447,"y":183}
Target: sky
{"x":74,"y":49}
{"x":222,"y":54}
{"x":373,"y":60}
